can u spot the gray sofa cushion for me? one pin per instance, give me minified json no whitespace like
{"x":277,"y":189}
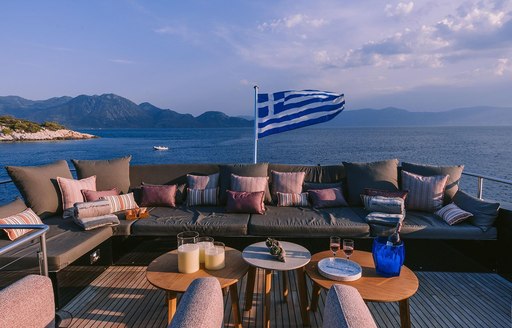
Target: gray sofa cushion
{"x":314,"y":173}
{"x":422,"y":225}
{"x":484,"y":212}
{"x":113,"y":173}
{"x":207,"y":220}
{"x":14,"y":207}
{"x":454,"y":173}
{"x":65,"y":242}
{"x":308,"y":222}
{"x":38,"y":186}
{"x":244,"y":170}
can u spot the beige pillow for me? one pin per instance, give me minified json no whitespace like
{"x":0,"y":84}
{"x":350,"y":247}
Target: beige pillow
{"x":71,"y":190}
{"x":26,"y":217}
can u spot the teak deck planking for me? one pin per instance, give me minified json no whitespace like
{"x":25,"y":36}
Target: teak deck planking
{"x":122,"y":297}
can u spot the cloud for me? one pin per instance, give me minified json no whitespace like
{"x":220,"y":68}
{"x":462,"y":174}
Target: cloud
{"x":503,"y":67}
{"x":122,"y":61}
{"x":294,"y":21}
{"x":401,"y":9}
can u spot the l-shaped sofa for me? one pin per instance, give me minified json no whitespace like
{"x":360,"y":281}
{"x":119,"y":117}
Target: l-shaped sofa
{"x":67,"y":243}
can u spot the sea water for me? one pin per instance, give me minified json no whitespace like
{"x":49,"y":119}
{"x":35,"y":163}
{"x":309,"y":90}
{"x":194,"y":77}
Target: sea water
{"x":483,"y":150}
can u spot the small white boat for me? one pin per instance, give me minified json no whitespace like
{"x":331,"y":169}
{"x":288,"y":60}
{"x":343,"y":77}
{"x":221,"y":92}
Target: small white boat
{"x":160,"y":148}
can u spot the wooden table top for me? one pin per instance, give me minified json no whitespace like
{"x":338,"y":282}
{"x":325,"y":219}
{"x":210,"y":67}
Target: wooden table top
{"x":371,"y":286}
{"x":163,"y":271}
{"x":259,"y":256}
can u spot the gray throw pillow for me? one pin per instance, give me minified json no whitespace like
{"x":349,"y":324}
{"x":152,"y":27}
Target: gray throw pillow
{"x":454,"y":173}
{"x":376,"y":175}
{"x":484,"y":212}
{"x":113,"y":173}
{"x":246,"y":170}
{"x":12,"y":208}
{"x":38,"y":186}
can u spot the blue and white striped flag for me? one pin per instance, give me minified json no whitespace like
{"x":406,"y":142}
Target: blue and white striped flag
{"x":288,"y":110}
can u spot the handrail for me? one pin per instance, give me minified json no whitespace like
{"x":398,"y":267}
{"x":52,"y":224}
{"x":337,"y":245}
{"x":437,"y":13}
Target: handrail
{"x":40,"y":231}
{"x":481,"y":177}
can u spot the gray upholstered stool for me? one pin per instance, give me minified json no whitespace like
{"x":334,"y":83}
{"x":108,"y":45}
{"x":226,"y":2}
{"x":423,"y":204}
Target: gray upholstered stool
{"x":345,"y":308}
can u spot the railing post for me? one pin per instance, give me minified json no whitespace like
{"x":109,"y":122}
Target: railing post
{"x":480,"y":192}
{"x":43,"y":259}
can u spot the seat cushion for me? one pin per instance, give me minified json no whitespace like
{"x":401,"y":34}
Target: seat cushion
{"x":207,"y":220}
{"x":65,"y":242}
{"x":422,"y":225}
{"x":308,"y":222}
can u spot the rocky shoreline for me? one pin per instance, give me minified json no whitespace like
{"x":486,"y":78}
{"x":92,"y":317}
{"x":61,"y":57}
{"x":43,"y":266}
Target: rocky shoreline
{"x":45,"y":135}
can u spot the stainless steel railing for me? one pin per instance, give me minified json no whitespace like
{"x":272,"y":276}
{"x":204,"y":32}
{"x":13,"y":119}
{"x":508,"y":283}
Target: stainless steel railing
{"x":39,"y":232}
{"x":481,"y":177}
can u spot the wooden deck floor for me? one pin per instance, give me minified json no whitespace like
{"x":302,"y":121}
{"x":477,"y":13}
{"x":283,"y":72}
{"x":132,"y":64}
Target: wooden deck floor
{"x":122,"y":297}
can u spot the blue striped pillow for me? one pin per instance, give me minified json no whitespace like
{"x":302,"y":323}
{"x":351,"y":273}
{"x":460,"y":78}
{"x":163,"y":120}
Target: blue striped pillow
{"x":197,"y":197}
{"x":452,"y":214}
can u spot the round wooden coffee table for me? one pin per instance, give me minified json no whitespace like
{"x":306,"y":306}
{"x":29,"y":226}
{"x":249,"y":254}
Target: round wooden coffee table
{"x":371,"y":286}
{"x":163,"y":273}
{"x":258,"y":256}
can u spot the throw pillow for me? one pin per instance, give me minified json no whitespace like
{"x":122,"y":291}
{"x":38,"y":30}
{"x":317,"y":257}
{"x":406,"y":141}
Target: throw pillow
{"x":163,"y":195}
{"x":203,"y":181}
{"x":14,"y":207}
{"x":452,"y":214}
{"x":292,"y":199}
{"x":248,"y":184}
{"x":287,"y":182}
{"x":121,"y":202}
{"x":202,"y":196}
{"x":390,"y":205}
{"x":92,"y":195}
{"x":38,"y":186}
{"x":26,"y":217}
{"x":180,"y":196}
{"x":245,"y":202}
{"x":385,"y":193}
{"x":71,"y":190}
{"x":454,"y":173}
{"x":377,"y":175}
{"x":425,"y":193}
{"x":484,"y":212}
{"x":247,"y":170}
{"x":113,"y":173}
{"x":332,"y":197}
{"x":92,"y":209}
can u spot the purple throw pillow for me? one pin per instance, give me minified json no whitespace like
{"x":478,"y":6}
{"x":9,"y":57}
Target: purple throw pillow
{"x":331,"y":197}
{"x":92,"y":195}
{"x":245,"y":202}
{"x":159,"y":195}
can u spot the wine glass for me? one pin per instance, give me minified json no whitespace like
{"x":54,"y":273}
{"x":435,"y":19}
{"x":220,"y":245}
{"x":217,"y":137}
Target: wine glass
{"x":348,"y":247}
{"x":334,"y":244}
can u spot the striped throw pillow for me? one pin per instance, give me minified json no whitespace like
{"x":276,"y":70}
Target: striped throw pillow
{"x":26,"y":217}
{"x":390,"y":205}
{"x":248,"y":184}
{"x":452,"y":214}
{"x":71,"y":190}
{"x":425,"y":193}
{"x":121,"y":202}
{"x":287,"y":182}
{"x":292,"y":199}
{"x":202,"y":196}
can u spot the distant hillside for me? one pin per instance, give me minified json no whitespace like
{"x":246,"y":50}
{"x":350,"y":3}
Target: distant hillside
{"x":111,"y":111}
{"x":472,"y":116}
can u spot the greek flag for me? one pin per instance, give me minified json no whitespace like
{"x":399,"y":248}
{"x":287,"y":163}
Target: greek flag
{"x":288,"y":110}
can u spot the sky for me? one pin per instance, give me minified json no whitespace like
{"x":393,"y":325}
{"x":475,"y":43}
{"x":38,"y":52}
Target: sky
{"x":193,"y":56}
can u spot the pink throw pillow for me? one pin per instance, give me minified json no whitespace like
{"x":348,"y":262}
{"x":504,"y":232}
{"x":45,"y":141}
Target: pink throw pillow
{"x":332,"y":197}
{"x":162,"y":195}
{"x":245,"y":202}
{"x":93,"y":195}
{"x":71,"y":190}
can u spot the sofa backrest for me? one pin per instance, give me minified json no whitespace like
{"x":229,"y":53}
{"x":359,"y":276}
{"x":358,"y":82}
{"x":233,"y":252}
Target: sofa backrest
{"x":314,"y":173}
{"x":167,"y":173}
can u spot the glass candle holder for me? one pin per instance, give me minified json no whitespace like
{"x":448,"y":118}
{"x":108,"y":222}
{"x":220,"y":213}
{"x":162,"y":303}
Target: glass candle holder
{"x":203,"y":242}
{"x":215,"y":256}
{"x":188,"y":252}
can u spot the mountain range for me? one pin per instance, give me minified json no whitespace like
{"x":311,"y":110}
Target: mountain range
{"x":113,"y":111}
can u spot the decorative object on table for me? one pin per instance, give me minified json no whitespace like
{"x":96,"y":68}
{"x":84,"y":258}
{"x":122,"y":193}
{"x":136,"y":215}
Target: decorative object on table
{"x":334,"y":244}
{"x":188,"y":252}
{"x":276,"y":249}
{"x":137,"y":213}
{"x":389,"y":254}
{"x":339,"y":269}
{"x":348,"y":247}
{"x":215,"y":256}
{"x":203,"y":243}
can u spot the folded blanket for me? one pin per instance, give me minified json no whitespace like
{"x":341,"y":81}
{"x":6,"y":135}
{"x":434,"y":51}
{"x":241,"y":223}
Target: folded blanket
{"x":385,"y":218}
{"x":97,"y":221}
{"x":391,"y":205}
{"x":92,"y":209}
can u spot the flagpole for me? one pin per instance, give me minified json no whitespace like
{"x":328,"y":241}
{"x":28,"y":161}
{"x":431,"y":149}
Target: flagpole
{"x":255,"y":124}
